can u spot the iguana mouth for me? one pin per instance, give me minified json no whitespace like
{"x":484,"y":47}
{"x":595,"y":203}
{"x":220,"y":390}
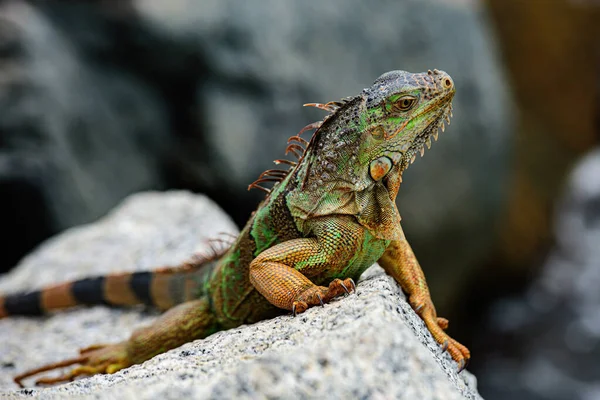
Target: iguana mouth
{"x":424,"y":138}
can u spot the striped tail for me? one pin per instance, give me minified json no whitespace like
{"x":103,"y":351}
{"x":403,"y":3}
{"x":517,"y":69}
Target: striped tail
{"x":163,"y":289}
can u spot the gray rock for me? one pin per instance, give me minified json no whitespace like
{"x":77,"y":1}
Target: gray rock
{"x":75,"y":137}
{"x":547,"y":341}
{"x":368,"y":345}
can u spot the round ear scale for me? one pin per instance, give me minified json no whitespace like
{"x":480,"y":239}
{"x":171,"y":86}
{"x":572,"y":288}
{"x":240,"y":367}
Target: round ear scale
{"x":379,"y":132}
{"x":380,"y":167}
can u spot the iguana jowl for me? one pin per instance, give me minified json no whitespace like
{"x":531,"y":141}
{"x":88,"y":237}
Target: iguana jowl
{"x":328,"y":218}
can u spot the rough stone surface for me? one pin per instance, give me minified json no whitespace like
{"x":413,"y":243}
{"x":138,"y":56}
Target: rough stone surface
{"x":366,"y":345}
{"x":547,"y":341}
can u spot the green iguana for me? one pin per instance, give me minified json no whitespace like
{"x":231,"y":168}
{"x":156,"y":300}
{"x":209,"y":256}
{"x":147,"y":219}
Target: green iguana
{"x":327,"y":218}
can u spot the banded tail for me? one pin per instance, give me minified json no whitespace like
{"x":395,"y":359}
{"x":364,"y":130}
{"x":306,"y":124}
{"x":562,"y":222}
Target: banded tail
{"x":163,"y":288}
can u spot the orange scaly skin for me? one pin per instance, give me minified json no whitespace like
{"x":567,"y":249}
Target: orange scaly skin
{"x":327,"y":218}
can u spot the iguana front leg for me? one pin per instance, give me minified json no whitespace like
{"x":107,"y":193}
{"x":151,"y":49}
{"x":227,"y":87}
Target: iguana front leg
{"x":400,"y":262}
{"x":281,"y":273}
{"x":184,"y":323}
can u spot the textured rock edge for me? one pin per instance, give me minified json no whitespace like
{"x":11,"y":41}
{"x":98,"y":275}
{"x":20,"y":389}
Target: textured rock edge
{"x":362,"y":345}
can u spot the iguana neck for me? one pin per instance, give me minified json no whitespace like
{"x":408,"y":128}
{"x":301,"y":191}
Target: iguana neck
{"x":332,"y":155}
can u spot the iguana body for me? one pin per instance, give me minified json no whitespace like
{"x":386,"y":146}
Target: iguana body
{"x":324,"y":222}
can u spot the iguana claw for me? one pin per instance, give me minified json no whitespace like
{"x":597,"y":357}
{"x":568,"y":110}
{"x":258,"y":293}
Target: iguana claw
{"x":321,"y":300}
{"x":345,"y":288}
{"x":445,"y":345}
{"x":319,"y":295}
{"x":348,"y":282}
{"x":299,"y":307}
{"x":353,"y":285}
{"x":437,"y":326}
{"x":95,"y":359}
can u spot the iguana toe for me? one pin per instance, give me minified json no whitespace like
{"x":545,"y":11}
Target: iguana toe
{"x":349,"y":282}
{"x":299,"y":307}
{"x":319,"y":295}
{"x":338,"y":287}
{"x":437,"y":326}
{"x":97,"y":359}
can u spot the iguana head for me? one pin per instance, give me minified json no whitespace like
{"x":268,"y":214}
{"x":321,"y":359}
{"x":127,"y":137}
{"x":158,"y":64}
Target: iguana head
{"x":381,"y":131}
{"x":354,"y":161}
{"x":403,"y":111}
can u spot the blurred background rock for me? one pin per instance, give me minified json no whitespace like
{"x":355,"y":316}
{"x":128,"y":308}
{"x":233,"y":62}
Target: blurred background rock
{"x":103,"y":98}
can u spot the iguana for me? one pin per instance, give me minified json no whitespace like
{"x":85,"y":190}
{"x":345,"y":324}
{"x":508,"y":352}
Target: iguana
{"x":326,"y":219}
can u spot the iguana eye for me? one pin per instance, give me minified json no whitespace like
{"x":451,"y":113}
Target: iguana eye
{"x":380,"y":167}
{"x":404,"y":103}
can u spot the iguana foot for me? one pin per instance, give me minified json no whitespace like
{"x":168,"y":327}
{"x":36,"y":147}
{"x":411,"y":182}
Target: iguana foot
{"x":436,"y":327}
{"x":319,"y":295}
{"x":97,"y":359}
